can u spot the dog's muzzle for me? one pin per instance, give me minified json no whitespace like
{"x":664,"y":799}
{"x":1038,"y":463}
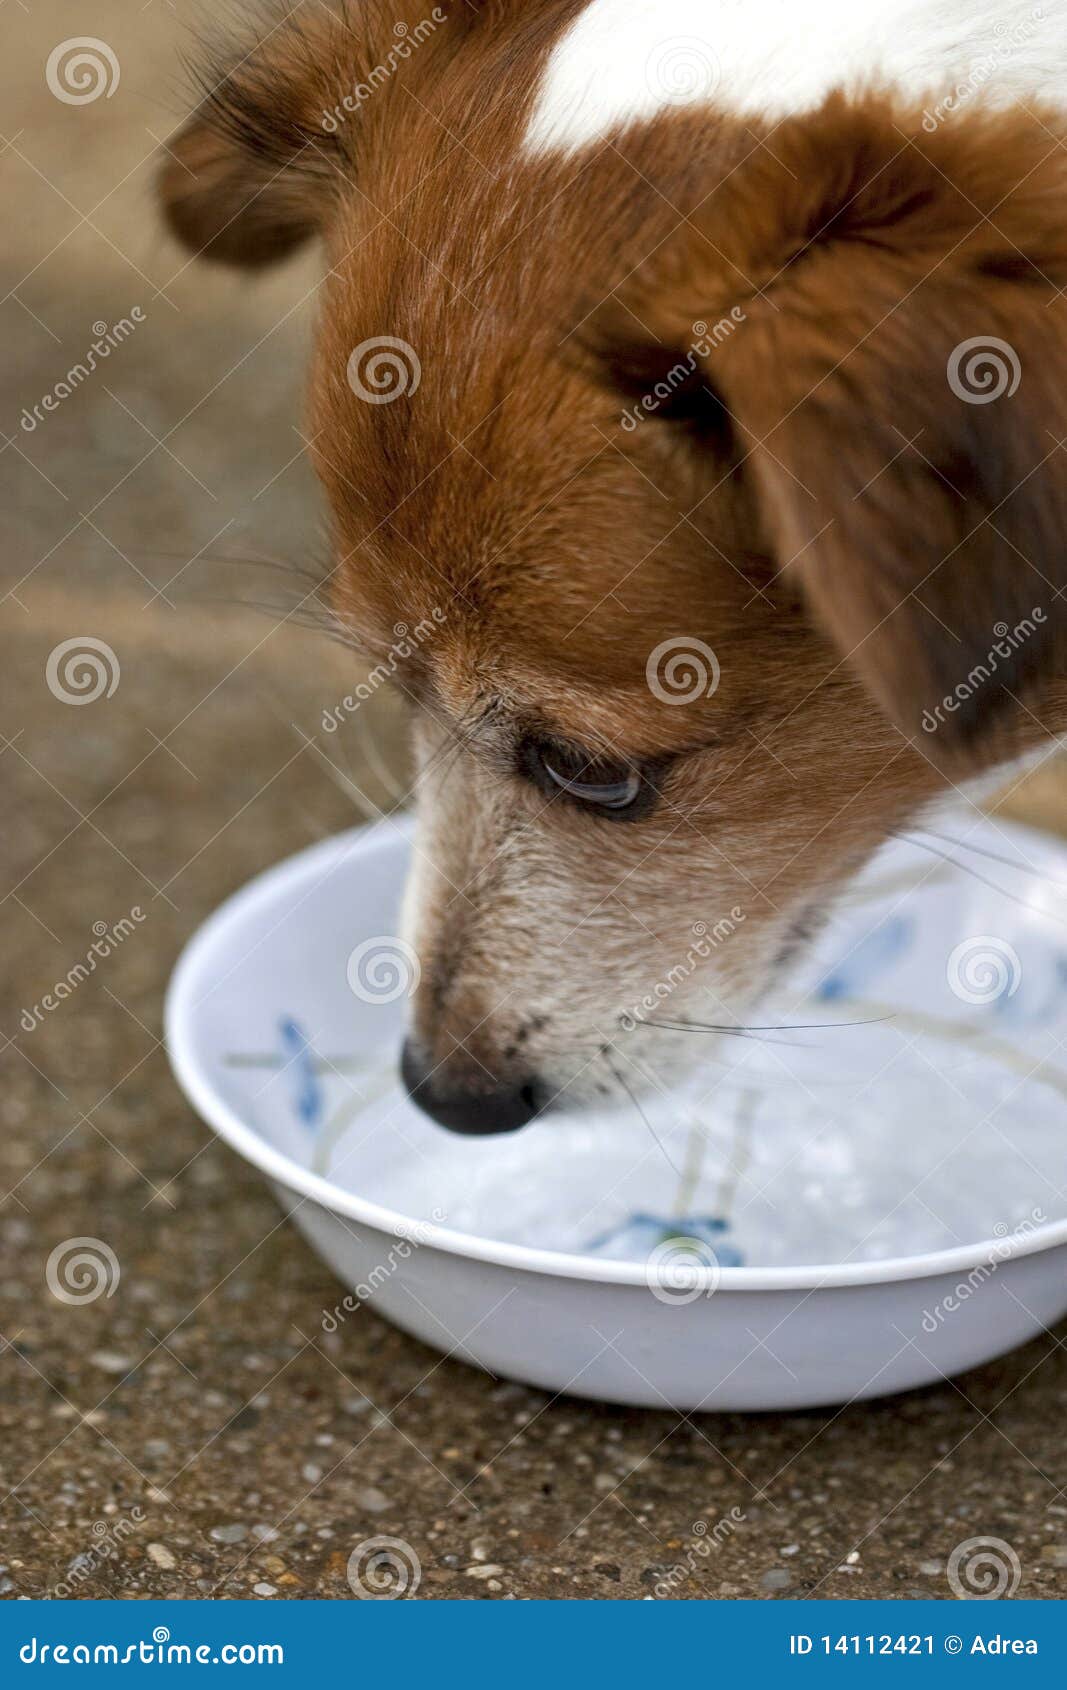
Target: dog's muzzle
{"x":474,"y":1109}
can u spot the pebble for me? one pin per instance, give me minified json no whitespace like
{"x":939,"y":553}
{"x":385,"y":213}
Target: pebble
{"x":776,"y":1578}
{"x":265,"y":1589}
{"x":1056,"y":1553}
{"x":372,"y":1499}
{"x":311,"y":1472}
{"x":489,"y":1571}
{"x":157,"y":1447}
{"x":789,"y":1549}
{"x":265,"y":1534}
{"x":930,"y":1568}
{"x":109,"y":1362}
{"x":161,"y":1555}
{"x":228,"y":1534}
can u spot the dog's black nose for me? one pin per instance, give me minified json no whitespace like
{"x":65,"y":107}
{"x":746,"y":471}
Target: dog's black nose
{"x":473,"y":1109}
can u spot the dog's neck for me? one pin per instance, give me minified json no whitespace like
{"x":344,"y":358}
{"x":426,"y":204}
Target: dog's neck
{"x":625,"y":61}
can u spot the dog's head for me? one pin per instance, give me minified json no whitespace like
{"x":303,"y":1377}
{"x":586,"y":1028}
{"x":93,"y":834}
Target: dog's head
{"x":705,"y":491}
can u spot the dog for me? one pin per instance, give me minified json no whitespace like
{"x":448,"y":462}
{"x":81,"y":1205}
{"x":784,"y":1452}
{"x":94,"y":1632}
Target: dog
{"x":695,"y":373}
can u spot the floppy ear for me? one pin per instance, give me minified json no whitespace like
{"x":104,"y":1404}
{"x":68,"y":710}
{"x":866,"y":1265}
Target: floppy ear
{"x":892,"y":349}
{"x":251,"y":175}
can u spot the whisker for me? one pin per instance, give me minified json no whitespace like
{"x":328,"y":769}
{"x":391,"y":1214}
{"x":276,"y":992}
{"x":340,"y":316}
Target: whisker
{"x":631,"y":1094}
{"x":681,"y":1026}
{"x":991,"y":856}
{"x":981,"y":879}
{"x":297,"y":615}
{"x":281,"y":566}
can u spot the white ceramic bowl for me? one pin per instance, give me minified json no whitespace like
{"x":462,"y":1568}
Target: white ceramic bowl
{"x":897,"y":1201}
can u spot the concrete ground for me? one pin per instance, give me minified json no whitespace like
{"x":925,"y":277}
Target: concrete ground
{"x":195,"y":1432}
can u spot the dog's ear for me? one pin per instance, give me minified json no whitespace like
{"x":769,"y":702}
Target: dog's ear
{"x":876,"y":300}
{"x":250,"y":176}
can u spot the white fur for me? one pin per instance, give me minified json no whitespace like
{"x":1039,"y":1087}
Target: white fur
{"x":625,"y":61}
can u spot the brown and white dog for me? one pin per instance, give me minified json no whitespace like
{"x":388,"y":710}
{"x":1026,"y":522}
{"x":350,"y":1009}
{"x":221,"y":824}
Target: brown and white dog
{"x":697,"y":369}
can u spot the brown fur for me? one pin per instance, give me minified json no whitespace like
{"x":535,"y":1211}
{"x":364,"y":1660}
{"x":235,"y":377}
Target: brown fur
{"x":562,"y":548}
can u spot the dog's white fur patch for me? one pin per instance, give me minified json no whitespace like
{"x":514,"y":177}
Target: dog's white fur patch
{"x":625,"y":61}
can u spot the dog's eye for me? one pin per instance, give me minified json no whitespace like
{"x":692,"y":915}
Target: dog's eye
{"x":591,"y":780}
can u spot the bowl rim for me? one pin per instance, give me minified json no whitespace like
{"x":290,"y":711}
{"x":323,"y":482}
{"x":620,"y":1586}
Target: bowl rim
{"x":391,"y":833}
